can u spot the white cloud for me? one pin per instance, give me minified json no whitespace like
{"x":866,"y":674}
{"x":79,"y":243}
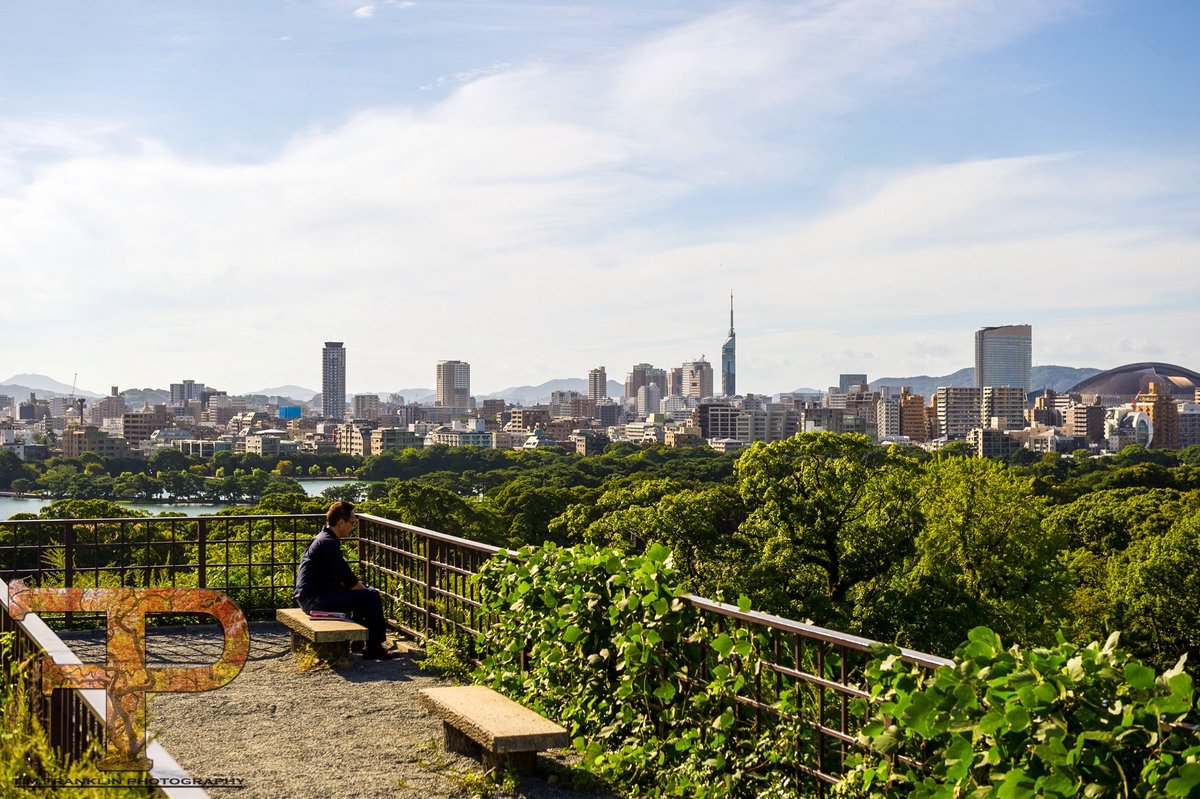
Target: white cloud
{"x":363,"y":12}
{"x":534,"y":201}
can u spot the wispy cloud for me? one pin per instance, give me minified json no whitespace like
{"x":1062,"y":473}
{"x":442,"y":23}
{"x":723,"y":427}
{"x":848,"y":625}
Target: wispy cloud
{"x":364,"y":12}
{"x":466,"y":76}
{"x":527,"y":199}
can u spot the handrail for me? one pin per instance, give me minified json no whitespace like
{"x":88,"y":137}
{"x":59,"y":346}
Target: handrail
{"x":813,"y":631}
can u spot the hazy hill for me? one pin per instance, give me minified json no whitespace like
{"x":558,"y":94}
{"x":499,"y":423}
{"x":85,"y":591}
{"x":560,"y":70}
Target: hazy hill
{"x":1057,"y":378}
{"x":294,"y":392}
{"x":532,"y":395}
{"x":135,"y":398}
{"x":20,"y":387}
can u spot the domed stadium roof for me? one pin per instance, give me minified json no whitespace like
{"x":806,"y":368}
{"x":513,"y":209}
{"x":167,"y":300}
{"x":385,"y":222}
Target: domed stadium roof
{"x":1135,"y":378}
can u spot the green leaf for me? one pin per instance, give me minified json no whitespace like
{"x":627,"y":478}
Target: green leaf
{"x":1139,"y":676}
{"x":722,"y":644}
{"x":572,"y":634}
{"x":665,"y":692}
{"x":744,"y":603}
{"x":657,"y":553}
{"x":1017,"y":718}
{"x":1059,"y":784}
{"x":1189,"y":778}
{"x":1016,"y":786}
{"x":959,"y":757}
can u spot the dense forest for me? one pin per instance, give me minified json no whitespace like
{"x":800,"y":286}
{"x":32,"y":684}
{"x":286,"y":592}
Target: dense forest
{"x":886,"y":542}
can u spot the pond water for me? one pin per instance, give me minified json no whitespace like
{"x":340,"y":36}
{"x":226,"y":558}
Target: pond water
{"x":13,"y":505}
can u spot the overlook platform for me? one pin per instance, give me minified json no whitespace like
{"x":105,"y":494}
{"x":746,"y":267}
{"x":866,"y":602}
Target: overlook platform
{"x":354,"y":730}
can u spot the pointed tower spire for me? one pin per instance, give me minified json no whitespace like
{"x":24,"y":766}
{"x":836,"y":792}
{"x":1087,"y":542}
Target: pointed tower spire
{"x":729,"y":358}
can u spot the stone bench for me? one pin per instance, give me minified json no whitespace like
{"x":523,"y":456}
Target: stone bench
{"x":330,"y":638}
{"x":477,"y":719}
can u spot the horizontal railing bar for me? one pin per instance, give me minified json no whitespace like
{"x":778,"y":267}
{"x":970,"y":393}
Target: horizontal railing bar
{"x":811,"y":631}
{"x":434,"y":535}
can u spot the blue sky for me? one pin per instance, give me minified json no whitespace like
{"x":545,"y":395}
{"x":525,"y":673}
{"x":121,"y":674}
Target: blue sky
{"x":211,"y":190}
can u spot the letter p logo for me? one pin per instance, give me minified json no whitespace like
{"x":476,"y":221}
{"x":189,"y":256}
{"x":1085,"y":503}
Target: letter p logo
{"x":125,"y":678}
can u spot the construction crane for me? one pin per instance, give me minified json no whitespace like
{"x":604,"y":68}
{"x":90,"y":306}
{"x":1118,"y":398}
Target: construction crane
{"x":78,"y":402}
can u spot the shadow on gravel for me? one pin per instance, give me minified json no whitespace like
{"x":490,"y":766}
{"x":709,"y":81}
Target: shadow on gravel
{"x":361,"y":671}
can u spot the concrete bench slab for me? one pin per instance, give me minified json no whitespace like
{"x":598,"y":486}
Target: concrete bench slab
{"x":474,"y":716}
{"x":330,"y":638}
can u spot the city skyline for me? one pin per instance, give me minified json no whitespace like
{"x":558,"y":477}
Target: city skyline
{"x":215,"y":189}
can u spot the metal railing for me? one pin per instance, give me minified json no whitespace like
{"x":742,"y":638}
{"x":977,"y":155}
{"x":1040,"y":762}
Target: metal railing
{"x":426,"y":578}
{"x":425,"y":574}
{"x":252,"y":559}
{"x":827,"y":668}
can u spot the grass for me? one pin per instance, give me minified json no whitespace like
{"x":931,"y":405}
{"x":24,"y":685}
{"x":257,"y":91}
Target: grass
{"x":446,"y":655}
{"x":28,"y":763}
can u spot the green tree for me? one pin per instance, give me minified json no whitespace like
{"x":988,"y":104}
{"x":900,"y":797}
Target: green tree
{"x":137,"y":486}
{"x":1154,"y":590}
{"x":444,"y":511}
{"x":168,"y":460}
{"x":11,"y":468}
{"x":981,"y":558}
{"x":527,"y":508}
{"x":825,"y":512}
{"x":56,"y":481}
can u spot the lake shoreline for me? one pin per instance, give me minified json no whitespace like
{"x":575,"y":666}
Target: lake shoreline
{"x":12,"y":503}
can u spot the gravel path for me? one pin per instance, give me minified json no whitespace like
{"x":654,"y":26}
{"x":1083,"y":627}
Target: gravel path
{"x":351,"y":731}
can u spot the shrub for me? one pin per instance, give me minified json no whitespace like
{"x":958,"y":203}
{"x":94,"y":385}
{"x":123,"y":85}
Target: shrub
{"x":1065,"y":721}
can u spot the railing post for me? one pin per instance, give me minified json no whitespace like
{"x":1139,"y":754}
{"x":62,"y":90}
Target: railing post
{"x":429,"y":586}
{"x":202,"y":553}
{"x":69,"y":566}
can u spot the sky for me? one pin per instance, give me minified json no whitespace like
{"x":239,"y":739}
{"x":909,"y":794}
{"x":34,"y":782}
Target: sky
{"x":211,"y":190}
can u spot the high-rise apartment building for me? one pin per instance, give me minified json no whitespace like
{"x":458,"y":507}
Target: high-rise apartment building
{"x":365,"y":407}
{"x":674,"y":387}
{"x":111,"y":407}
{"x":847,"y":382}
{"x":1164,"y":416}
{"x":958,"y":411}
{"x":648,"y":398}
{"x":185,"y":392}
{"x":597,"y":384}
{"x":887,"y":417}
{"x":1006,"y":404}
{"x":643,"y":374}
{"x":1004,"y":356}
{"x":454,"y":384}
{"x":913,"y":419}
{"x":697,"y":379}
{"x":729,"y":358}
{"x":1086,"y":422}
{"x":333,"y":381}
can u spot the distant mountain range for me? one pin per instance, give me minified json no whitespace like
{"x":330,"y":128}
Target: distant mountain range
{"x":1056,"y":378}
{"x":532,"y":395}
{"x":21,"y":386}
